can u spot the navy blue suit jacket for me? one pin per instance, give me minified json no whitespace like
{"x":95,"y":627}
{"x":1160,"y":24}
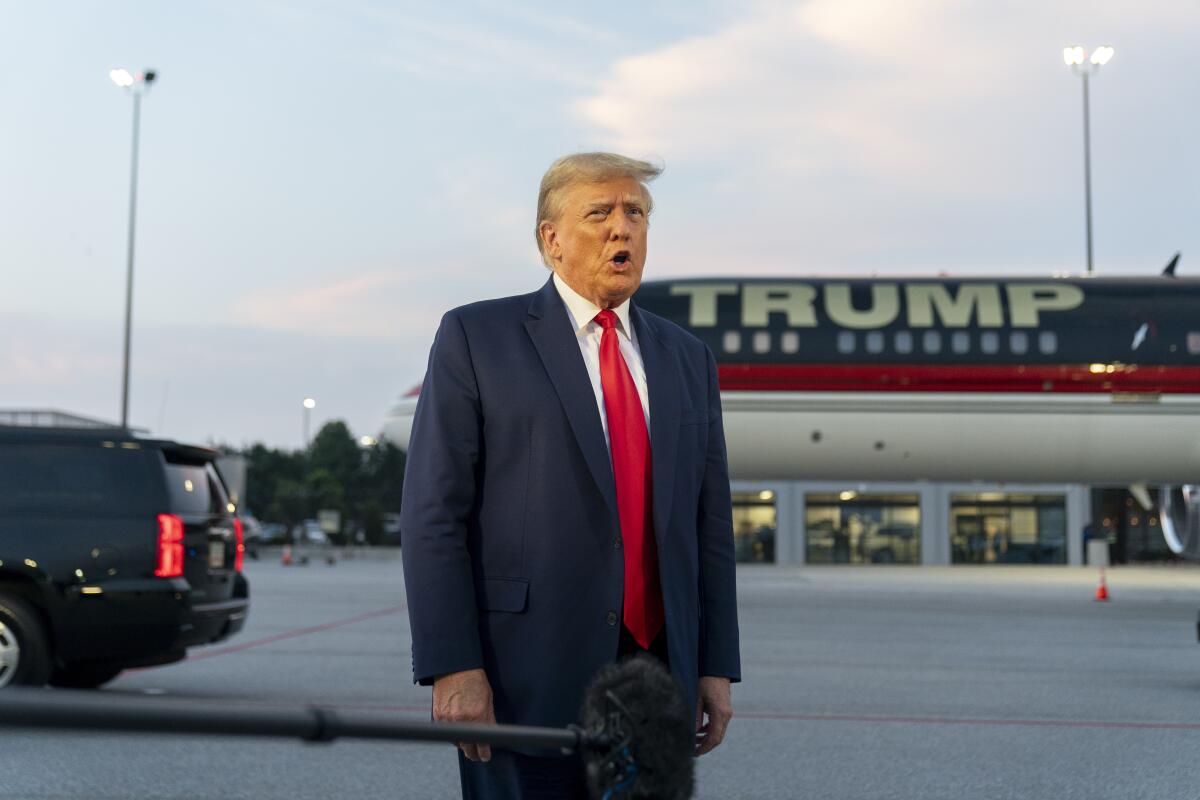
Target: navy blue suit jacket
{"x":511,"y":540}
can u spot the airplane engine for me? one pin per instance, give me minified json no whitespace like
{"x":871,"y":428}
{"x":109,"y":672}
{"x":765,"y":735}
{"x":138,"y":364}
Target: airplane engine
{"x":1179,"y":510}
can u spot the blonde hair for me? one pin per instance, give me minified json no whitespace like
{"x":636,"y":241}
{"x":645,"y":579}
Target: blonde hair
{"x":586,"y":168}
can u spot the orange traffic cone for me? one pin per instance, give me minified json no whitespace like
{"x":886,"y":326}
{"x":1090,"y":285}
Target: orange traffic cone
{"x":286,"y":559}
{"x":1102,"y":589}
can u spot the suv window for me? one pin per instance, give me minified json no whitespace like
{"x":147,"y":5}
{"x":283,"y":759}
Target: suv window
{"x":95,"y":478}
{"x":194,"y":488}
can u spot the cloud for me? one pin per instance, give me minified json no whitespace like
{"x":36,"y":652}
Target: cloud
{"x":847,"y":85}
{"x":923,"y":134}
{"x":870,"y":87}
{"x":370,"y":305}
{"x":46,"y":358}
{"x":487,"y":250}
{"x":436,"y":46}
{"x":200,"y":383}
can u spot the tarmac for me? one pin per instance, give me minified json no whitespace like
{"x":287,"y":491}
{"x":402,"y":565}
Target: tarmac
{"x":859,"y":682}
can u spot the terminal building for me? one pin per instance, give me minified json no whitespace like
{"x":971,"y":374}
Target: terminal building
{"x":939,"y":523}
{"x":974,"y":421}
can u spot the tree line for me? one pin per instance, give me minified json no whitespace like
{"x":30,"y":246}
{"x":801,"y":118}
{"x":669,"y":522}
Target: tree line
{"x":337,"y":473}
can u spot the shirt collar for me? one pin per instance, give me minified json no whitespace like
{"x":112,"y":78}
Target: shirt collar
{"x":583,"y":311}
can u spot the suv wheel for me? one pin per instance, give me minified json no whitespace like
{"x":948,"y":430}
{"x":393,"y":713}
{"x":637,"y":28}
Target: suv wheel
{"x":83,"y":676}
{"x":24,"y":654}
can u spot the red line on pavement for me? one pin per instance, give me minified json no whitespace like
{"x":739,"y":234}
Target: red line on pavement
{"x":292,"y":634}
{"x":383,"y":708}
{"x":913,"y":720}
{"x":751,"y":715}
{"x":867,"y":718}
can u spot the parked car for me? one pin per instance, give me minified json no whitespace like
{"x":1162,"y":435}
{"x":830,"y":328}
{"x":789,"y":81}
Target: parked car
{"x":115,"y":552}
{"x":391,"y":529}
{"x":310,"y":532}
{"x":274,"y":533}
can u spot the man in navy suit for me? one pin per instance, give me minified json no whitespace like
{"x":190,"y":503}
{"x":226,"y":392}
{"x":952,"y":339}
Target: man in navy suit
{"x":566,"y":499}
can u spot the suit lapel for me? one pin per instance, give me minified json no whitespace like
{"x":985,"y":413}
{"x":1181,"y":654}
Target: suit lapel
{"x":550,"y":329}
{"x":663,"y":385}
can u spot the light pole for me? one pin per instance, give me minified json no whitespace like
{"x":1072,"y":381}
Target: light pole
{"x":1078,"y":60}
{"x":309,"y":404}
{"x":137,"y":85}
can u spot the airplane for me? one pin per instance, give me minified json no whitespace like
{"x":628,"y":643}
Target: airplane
{"x":1010,"y":379}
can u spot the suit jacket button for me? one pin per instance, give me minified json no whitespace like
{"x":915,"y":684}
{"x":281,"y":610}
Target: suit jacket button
{"x":611,"y":618}
{"x":616,"y":543}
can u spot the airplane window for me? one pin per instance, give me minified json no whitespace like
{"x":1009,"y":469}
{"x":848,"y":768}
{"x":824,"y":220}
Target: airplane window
{"x":1193,"y":342}
{"x":874,"y":342}
{"x":1048,"y":342}
{"x":903,"y":342}
{"x":1018,"y":342}
{"x":762,"y":342}
{"x":989,"y":342}
{"x":932,"y":342}
{"x":732,"y":342}
{"x":789,"y":342}
{"x":845,"y":342}
{"x":960,"y":342}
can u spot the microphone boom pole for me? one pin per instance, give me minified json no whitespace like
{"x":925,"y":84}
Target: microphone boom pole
{"x":38,"y":708}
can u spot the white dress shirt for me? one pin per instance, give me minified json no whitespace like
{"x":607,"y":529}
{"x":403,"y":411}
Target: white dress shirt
{"x":582,"y":313}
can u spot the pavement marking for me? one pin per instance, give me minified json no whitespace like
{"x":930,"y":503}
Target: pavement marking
{"x":382,"y":708}
{"x":747,"y":715}
{"x":979,"y":721}
{"x":292,"y":634}
{"x":906,"y":720}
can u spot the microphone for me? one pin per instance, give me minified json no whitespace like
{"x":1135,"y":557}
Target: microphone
{"x":636,"y":737}
{"x":639,"y":736}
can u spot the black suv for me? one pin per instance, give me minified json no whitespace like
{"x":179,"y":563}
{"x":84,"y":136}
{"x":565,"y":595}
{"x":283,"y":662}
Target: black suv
{"x":115,"y":552}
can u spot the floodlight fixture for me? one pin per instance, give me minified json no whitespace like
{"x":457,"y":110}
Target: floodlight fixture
{"x":132,"y":80}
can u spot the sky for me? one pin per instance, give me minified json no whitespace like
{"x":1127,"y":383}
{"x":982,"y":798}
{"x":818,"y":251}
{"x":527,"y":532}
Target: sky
{"x":320,"y":181}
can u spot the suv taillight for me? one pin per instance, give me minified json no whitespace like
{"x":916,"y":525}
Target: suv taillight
{"x":239,"y":539}
{"x":170,"y":547}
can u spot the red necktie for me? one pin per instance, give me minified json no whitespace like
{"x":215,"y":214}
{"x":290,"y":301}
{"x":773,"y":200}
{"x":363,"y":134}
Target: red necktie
{"x":630,"y":445}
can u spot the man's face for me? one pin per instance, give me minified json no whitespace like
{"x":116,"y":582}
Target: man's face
{"x":598,"y":244}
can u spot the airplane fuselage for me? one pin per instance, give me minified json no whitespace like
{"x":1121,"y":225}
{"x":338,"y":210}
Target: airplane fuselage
{"x":1082,"y":380}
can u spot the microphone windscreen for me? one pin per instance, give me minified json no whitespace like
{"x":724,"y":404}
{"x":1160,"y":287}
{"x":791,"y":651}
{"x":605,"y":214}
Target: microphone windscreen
{"x":640,"y":706}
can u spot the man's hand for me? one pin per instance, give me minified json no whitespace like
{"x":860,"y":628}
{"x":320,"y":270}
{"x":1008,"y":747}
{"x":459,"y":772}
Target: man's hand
{"x":467,"y":697}
{"x":714,"y":701}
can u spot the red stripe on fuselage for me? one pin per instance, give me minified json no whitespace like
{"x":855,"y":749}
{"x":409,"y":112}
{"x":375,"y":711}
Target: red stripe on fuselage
{"x":959,"y":378}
